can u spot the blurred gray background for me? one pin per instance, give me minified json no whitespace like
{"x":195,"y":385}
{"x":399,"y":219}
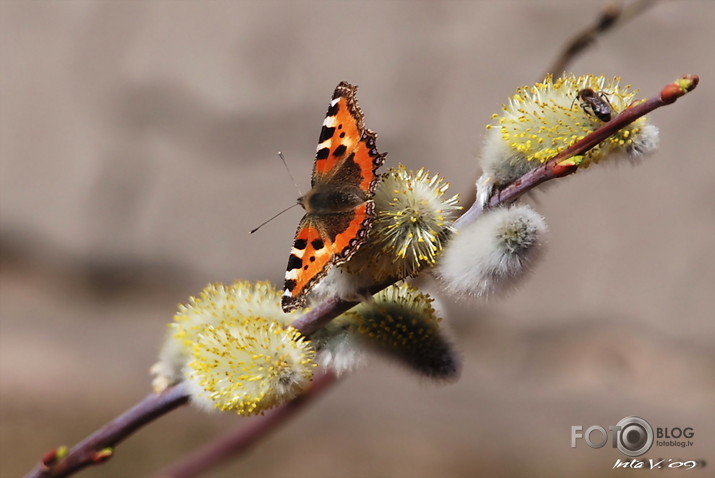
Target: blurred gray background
{"x":138,"y":147}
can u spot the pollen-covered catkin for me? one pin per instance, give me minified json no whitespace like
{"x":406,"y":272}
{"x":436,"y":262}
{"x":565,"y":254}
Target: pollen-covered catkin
{"x":248,"y":365}
{"x":542,"y":120}
{"x":413,"y":218}
{"x":215,"y":305}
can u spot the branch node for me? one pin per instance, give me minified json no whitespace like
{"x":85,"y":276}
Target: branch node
{"x":566,"y":167}
{"x":103,"y":455}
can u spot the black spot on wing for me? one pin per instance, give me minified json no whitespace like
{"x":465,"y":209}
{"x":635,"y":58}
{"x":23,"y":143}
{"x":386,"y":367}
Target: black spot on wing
{"x":290,"y":285}
{"x":326,"y":133}
{"x":322,"y":153}
{"x":294,"y":262}
{"x":339,"y":151}
{"x":300,"y":244}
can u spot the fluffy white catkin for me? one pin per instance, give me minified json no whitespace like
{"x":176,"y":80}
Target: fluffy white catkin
{"x":490,"y":255}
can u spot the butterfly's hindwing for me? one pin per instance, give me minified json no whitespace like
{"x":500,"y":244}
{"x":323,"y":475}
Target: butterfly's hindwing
{"x":318,"y":245}
{"x":311,"y":253}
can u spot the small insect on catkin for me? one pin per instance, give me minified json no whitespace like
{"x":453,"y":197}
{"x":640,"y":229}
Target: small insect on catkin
{"x":492,"y":254}
{"x":542,"y":120}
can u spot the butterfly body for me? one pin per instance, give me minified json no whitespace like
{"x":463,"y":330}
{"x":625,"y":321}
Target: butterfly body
{"x":339,"y":209}
{"x":332,"y":200}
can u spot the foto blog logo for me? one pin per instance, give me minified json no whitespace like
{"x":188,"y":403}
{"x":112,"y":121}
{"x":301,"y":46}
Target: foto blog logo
{"x":633,"y":436}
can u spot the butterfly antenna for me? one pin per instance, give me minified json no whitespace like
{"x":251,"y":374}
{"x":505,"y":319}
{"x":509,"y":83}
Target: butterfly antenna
{"x":285,"y":163}
{"x":269,"y":220}
{"x":275,"y":216}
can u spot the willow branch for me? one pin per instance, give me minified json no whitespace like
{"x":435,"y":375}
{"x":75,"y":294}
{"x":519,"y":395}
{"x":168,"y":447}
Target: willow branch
{"x":241,"y":439}
{"x":99,"y":446}
{"x":610,"y":16}
{"x":321,"y":314}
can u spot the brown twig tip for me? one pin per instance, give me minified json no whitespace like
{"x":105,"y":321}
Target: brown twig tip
{"x":678,"y":88}
{"x":53,"y":456}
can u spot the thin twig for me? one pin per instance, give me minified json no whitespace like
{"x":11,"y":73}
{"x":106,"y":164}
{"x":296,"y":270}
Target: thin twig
{"x":98,"y":447}
{"x":610,"y":16}
{"x":241,"y":439}
{"x":327,"y":310}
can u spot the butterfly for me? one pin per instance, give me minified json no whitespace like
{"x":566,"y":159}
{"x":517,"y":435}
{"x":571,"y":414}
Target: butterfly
{"x":338,"y":209}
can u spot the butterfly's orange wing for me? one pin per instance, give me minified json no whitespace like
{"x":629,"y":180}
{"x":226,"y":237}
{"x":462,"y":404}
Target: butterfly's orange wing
{"x":346,"y":157}
{"x":342,"y":130}
{"x":319,"y":243}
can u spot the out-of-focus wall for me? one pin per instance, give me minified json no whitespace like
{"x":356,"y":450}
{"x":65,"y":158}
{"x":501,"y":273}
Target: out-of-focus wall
{"x":138,"y":147}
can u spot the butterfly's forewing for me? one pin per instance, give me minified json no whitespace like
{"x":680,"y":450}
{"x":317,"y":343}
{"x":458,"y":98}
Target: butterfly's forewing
{"x":342,"y":130}
{"x":360,"y":167}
